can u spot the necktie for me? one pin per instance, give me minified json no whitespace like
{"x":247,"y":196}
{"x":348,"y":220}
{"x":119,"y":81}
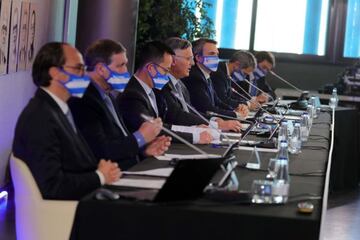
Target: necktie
{"x":181,"y":95}
{"x":252,"y":89}
{"x":112,"y":110}
{"x":210,"y":90}
{"x":71,"y":120}
{"x":153,"y":102}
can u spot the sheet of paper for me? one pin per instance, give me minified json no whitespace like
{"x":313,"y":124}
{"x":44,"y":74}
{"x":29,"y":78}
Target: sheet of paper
{"x":258,"y":149}
{"x":237,"y":135}
{"x":168,"y":157}
{"x":159,"y":172}
{"x":193,"y":129}
{"x":140,"y":183}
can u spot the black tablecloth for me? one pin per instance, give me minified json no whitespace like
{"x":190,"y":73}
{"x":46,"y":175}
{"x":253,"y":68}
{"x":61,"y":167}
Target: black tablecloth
{"x":206,"y":219}
{"x":345,"y":167}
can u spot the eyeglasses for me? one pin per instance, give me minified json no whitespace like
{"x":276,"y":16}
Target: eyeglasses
{"x":190,"y":58}
{"x":80,"y":67}
{"x":166,"y":70}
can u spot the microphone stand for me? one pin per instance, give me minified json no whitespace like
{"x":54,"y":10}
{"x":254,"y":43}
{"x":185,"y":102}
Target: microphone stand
{"x":287,"y":82}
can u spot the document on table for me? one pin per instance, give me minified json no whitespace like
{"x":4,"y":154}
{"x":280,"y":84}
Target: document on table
{"x":159,"y":172}
{"x":140,"y":183}
{"x":193,"y":129}
{"x":258,"y":149}
{"x":168,"y":157}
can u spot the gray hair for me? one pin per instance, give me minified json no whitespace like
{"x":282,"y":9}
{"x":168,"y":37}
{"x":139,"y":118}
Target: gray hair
{"x":176,"y":43}
{"x":246,"y":59}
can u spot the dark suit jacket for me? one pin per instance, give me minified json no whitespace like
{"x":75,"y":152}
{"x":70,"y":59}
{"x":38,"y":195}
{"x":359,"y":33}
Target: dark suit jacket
{"x":200,"y":96}
{"x":222,"y":85}
{"x":263,"y":85}
{"x":100,"y":130}
{"x":60,"y":160}
{"x":176,"y":114}
{"x":134,"y":101}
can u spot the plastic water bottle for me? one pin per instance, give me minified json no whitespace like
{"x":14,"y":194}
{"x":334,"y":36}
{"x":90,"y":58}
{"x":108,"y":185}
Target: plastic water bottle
{"x":304,"y":127}
{"x":295,"y":140}
{"x":283,"y":150}
{"x":334,"y":99}
{"x":283,"y":133}
{"x":281,"y":183}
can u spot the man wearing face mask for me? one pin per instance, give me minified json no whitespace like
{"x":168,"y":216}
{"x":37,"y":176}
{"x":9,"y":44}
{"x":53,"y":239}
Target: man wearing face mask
{"x":241,"y":62}
{"x":176,"y":93}
{"x":97,"y":113}
{"x":142,"y":95}
{"x":47,"y":139}
{"x":202,"y":94}
{"x":245,"y":75}
{"x":266,"y":62}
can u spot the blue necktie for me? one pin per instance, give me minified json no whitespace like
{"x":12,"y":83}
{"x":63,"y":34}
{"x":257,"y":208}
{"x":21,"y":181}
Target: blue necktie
{"x":71,"y":120}
{"x":112,"y":110}
{"x":211,"y":90}
{"x":252,"y":88}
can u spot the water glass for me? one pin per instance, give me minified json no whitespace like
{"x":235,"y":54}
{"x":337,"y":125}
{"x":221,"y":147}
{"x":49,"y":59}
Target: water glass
{"x":261,"y":191}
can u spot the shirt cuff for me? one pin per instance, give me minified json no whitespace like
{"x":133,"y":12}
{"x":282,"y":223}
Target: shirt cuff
{"x":101,"y":177}
{"x":139,"y":139}
{"x":238,"y":115}
{"x":213,"y":123}
{"x":196,"y":137}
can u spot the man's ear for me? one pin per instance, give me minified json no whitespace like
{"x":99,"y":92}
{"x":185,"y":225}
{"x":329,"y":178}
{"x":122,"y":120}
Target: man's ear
{"x":198,"y":58}
{"x":101,"y":70}
{"x":55,"y":73}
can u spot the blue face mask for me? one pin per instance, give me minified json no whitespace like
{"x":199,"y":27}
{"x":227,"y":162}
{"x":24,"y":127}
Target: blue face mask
{"x":210,"y":62}
{"x":238,"y":76}
{"x":159,"y":80}
{"x":118,"y":81}
{"x":76,"y":85}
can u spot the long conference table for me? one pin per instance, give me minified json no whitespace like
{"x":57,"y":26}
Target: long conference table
{"x":209,"y":219}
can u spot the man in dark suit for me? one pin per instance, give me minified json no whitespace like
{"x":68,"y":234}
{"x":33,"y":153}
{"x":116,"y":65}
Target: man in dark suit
{"x":143,"y":92}
{"x":176,"y":93}
{"x":247,"y":79}
{"x":202,"y":94}
{"x":97,"y":114}
{"x":241,"y":63}
{"x":46,"y":137}
{"x":265,"y":63}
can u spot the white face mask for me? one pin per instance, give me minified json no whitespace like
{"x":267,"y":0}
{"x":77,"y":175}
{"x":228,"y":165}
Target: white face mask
{"x":210,"y":62}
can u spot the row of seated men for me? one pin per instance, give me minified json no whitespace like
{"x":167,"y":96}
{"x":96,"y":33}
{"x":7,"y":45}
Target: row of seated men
{"x":77,"y":133}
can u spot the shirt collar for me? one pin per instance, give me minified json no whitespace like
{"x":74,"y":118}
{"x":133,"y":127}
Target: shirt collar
{"x":147,"y":89}
{"x":101,"y":91}
{"x":173,"y":80}
{"x":206,"y":75}
{"x":63,"y":105}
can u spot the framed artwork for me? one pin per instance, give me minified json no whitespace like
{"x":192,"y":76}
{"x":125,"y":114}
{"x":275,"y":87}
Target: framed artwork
{"x":32,"y":41}
{"x":24,"y":30}
{"x":14,"y":35}
{"x":4,"y":36}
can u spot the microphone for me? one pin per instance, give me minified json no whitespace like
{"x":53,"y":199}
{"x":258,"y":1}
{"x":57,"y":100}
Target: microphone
{"x":268,"y":95}
{"x":287,"y":82}
{"x":200,"y":115}
{"x":227,"y":117}
{"x":277,"y":121}
{"x":249,"y":98}
{"x":150,"y":119}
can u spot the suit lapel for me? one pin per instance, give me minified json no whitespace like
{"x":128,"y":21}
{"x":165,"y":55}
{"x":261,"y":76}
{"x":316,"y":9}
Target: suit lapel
{"x":94,"y":94}
{"x":63,"y":122}
{"x":135,"y":85}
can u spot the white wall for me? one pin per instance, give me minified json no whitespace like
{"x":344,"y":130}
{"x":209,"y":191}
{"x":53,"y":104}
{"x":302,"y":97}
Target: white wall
{"x":16,"y":89}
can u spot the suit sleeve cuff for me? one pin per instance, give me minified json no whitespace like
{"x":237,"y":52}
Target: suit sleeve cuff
{"x":139,"y":139}
{"x":101,"y":177}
